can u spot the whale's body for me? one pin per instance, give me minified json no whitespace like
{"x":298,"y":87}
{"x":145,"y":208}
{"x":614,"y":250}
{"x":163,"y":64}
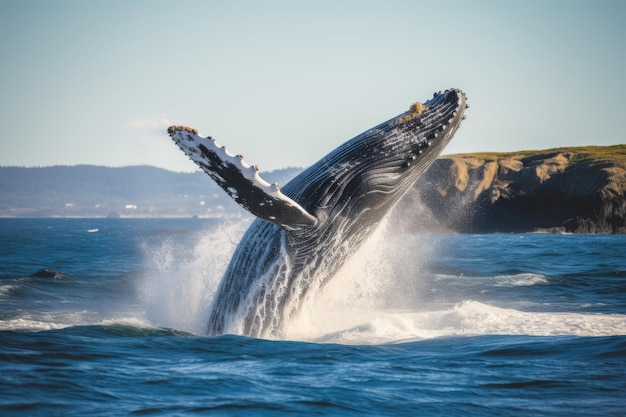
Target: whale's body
{"x":305,"y":233}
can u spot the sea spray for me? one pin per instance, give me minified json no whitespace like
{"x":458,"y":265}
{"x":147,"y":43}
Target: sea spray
{"x":383,"y":274}
{"x":177,"y":291}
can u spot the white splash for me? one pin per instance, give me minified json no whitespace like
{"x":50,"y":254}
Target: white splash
{"x":371,"y":281}
{"x":470,"y":318}
{"x":177,"y":292}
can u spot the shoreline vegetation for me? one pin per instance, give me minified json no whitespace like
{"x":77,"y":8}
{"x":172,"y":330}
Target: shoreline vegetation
{"x":561,"y":190}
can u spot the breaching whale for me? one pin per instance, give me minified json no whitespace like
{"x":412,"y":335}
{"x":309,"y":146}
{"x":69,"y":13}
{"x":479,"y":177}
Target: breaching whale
{"x":306,"y":230}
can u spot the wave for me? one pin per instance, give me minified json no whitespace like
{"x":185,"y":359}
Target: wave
{"x":524,"y":279}
{"x":468,"y":318}
{"x":519,"y":280}
{"x":43,"y":320}
{"x":57,"y":320}
{"x":30,"y":324}
{"x":6,"y":289}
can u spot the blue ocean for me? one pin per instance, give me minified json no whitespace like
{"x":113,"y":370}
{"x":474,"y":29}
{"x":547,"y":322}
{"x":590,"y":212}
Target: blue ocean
{"x":106,"y":317}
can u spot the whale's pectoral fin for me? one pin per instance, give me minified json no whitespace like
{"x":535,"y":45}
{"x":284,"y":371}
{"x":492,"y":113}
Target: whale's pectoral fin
{"x":241,"y":181}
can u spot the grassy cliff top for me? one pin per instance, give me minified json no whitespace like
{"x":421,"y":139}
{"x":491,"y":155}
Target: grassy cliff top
{"x":613,"y":153}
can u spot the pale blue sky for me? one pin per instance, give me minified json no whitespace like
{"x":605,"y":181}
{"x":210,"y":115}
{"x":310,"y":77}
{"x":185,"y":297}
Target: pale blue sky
{"x":285,"y":82}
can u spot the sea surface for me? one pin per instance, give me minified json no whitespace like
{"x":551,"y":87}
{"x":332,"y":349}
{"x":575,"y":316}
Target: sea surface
{"x":106,"y":317}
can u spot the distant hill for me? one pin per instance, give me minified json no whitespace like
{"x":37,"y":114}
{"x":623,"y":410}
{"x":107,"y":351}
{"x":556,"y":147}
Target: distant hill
{"x":95,"y":191}
{"x":577,"y":190}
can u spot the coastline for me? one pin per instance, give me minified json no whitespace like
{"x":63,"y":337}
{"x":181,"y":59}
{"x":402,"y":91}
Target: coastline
{"x":562,"y":190}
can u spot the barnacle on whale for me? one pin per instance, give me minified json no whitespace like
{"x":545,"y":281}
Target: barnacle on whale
{"x":415,"y":110}
{"x":173,"y":129}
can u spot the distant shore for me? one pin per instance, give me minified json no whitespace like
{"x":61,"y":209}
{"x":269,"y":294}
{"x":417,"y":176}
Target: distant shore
{"x":563,"y":190}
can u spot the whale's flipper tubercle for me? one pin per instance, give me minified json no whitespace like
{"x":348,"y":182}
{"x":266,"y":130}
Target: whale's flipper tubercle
{"x":241,"y":181}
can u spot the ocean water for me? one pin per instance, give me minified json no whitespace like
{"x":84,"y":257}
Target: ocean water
{"x":106,"y":317}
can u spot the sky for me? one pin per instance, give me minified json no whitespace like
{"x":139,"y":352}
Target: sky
{"x":285,"y":82}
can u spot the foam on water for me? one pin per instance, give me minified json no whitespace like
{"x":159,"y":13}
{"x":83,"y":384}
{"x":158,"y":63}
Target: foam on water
{"x":468,"y":318}
{"x":127,"y":321}
{"x":27,"y":324}
{"x":46,"y":320}
{"x":6,"y":289}
{"x":55,"y":320}
{"x":519,"y":280}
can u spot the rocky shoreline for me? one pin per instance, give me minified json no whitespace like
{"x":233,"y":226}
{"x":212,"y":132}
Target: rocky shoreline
{"x":565,"y":190}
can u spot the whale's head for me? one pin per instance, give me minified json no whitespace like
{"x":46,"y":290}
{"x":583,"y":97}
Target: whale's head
{"x":364,"y":177}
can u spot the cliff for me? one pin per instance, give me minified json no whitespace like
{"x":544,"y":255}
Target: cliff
{"x":577,"y":190}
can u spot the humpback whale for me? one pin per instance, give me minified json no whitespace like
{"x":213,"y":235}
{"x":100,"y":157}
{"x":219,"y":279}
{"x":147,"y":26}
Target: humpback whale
{"x":305,"y":231}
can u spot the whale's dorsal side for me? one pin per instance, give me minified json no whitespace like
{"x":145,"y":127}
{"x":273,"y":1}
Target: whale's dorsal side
{"x":241,"y":181}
